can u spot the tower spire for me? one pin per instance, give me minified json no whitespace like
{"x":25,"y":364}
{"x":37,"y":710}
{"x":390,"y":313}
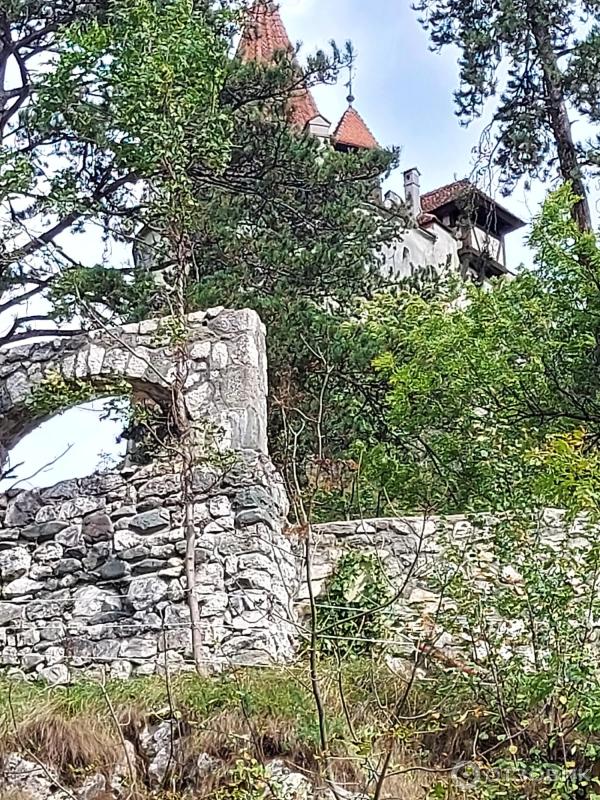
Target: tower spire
{"x":264,"y":35}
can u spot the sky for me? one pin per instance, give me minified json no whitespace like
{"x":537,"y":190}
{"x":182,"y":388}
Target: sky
{"x":405,"y":94}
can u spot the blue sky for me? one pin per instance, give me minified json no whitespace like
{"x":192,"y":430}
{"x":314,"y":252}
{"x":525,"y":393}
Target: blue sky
{"x":404,"y":92}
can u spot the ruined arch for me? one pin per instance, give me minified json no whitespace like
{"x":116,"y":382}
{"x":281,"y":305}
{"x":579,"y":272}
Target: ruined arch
{"x":225,"y":382}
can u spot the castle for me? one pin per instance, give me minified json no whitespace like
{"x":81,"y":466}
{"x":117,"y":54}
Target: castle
{"x":457,"y":226}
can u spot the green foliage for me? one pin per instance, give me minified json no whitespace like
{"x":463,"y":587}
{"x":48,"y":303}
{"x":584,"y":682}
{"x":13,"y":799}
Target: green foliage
{"x":142,"y":103}
{"x":85,"y":140}
{"x":55,"y":393}
{"x":520,"y":595}
{"x":247,"y":779}
{"x":80,"y":288}
{"x":352,"y":613}
{"x":480,"y":377}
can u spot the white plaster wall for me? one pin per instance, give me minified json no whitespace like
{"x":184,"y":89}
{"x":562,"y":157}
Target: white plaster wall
{"x":435,"y":247}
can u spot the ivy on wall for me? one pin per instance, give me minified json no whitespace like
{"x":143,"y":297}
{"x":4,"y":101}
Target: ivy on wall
{"x":352,"y":616}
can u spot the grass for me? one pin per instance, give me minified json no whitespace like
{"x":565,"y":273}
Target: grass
{"x":268,"y":713}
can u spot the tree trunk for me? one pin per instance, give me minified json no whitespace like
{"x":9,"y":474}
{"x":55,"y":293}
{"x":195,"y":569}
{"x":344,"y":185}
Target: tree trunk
{"x":558,"y":117}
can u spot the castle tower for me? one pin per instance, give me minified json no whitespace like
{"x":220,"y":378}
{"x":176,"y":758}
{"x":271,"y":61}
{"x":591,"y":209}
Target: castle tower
{"x":263,"y":37}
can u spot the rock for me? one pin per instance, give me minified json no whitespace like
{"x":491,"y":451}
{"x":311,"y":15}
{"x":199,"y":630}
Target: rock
{"x":214,"y":604}
{"x":253,"y":579}
{"x":9,"y":657}
{"x":138,"y":649}
{"x":45,"y":530}
{"x":55,"y":655}
{"x":27,"y":637}
{"x":91,"y":600}
{"x":67,"y":566}
{"x":22,"y":509}
{"x":125,"y":540}
{"x":14,"y":563}
{"x":79,"y":507}
{"x":219,"y":506}
{"x":41,"y":572}
{"x":19,"y":773}
{"x":255,"y":516}
{"x":9,"y":612}
{"x":145,"y":592}
{"x":135,"y":553}
{"x":56,"y":675}
{"x":162,"y":486}
{"x":22,"y":587}
{"x":71,"y":539}
{"x":148,"y":565}
{"x":123,"y":511}
{"x":107,"y":650}
{"x":121,"y":670}
{"x":157,"y":519}
{"x":114,"y":569}
{"x":48,"y":552}
{"x":53,"y":631}
{"x":97,"y":527}
{"x":29,"y":661}
{"x":290,"y":785}
{"x":93,"y":788}
{"x":157,"y":768}
{"x":96,"y":555}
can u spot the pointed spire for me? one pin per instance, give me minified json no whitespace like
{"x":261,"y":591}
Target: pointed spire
{"x":264,"y":33}
{"x":352,"y":131}
{"x":263,"y":36}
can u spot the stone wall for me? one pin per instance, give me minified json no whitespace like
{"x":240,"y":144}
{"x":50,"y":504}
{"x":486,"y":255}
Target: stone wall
{"x":91,"y":572}
{"x":407,"y":549}
{"x":225,"y":382}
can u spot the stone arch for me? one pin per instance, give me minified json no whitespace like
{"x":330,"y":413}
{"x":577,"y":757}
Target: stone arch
{"x":225,"y":384}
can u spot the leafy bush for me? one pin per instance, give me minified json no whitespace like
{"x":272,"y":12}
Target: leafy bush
{"x":352,"y":617}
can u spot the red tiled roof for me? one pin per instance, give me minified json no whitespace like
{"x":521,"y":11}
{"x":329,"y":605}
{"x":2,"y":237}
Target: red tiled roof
{"x":430,"y":201}
{"x":263,"y":36}
{"x":303,"y":108}
{"x":352,"y":131}
{"x":264,"y":33}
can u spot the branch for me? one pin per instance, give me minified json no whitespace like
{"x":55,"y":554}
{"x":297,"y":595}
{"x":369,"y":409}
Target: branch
{"x":66,"y":222}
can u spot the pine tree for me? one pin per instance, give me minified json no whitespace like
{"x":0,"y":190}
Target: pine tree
{"x":550,"y":52}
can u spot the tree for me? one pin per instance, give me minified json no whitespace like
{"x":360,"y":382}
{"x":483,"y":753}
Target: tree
{"x":287,"y":226}
{"x":550,"y":52}
{"x":41,"y":197}
{"x":294,"y":230}
{"x":494,"y":393}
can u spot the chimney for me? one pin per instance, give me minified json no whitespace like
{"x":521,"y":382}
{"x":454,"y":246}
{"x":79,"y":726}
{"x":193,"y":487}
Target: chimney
{"x":412,"y":190}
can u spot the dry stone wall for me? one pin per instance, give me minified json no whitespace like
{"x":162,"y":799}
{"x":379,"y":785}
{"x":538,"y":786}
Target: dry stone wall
{"x":92,"y":570}
{"x":92,"y":573}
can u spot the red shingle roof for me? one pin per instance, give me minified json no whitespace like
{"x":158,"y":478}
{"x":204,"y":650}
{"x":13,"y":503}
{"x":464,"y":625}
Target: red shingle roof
{"x":430,"y":201}
{"x":303,"y":108}
{"x":352,"y":131}
{"x":263,"y":36}
{"x":264,"y":33}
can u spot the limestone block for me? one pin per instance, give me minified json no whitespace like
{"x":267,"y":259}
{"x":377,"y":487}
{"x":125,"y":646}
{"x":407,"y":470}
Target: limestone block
{"x":145,"y":592}
{"x":150,"y":521}
{"x":14,"y":563}
{"x":91,"y":600}
{"x":21,"y":587}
